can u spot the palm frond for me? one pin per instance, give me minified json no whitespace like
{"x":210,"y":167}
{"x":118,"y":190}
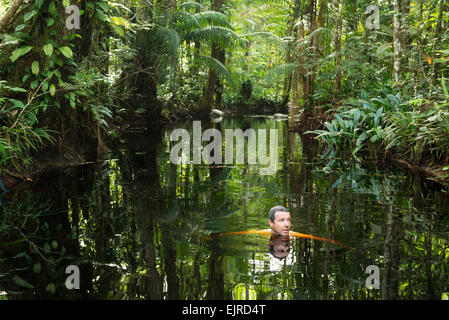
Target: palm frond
{"x":215,"y":65}
{"x":223,"y":37}
{"x":168,"y":39}
{"x":184,"y":22}
{"x":319,"y":31}
{"x":191,"y":5}
{"x":282,"y":69}
{"x":265,"y":35}
{"x":213,"y":18}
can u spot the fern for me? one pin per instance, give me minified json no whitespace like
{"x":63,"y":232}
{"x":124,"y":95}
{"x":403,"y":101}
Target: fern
{"x":265,"y":35}
{"x":191,"y":5}
{"x":184,"y":22}
{"x":213,"y":18}
{"x":319,"y":31}
{"x":170,"y":40}
{"x":215,"y":65}
{"x":221,"y":36}
{"x":282,"y":69}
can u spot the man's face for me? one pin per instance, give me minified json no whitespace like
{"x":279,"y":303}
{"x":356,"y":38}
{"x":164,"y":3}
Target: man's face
{"x":281,"y":223}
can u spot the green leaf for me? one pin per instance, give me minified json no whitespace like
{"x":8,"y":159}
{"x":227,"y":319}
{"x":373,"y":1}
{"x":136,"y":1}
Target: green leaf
{"x":48,"y":49}
{"x":443,"y":85}
{"x":67,"y":52}
{"x":37,"y":268}
{"x":17,"y":103}
{"x":52,"y":92}
{"x":52,"y":8}
{"x":51,"y":287}
{"x":119,"y":30}
{"x":34,"y":84}
{"x":101,"y":15}
{"x":16,"y":54}
{"x":3,"y":157}
{"x":25,"y":77}
{"x":17,"y":89}
{"x":39,"y":3}
{"x":50,"y":22}
{"x":20,"y":27}
{"x":103,"y":5}
{"x":29,"y":15}
{"x":20,"y":282}
{"x":35,"y":67}
{"x":58,"y":61}
{"x":54,"y":243}
{"x":44,"y":86}
{"x":66,"y":3}
{"x":215,"y":65}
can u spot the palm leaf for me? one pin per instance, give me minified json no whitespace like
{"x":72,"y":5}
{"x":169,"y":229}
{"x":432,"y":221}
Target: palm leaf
{"x":213,"y":18}
{"x":191,"y":5}
{"x":319,"y":31}
{"x":184,"y":22}
{"x":282,"y":69}
{"x":215,"y":65}
{"x":221,"y":36}
{"x":169,"y":39}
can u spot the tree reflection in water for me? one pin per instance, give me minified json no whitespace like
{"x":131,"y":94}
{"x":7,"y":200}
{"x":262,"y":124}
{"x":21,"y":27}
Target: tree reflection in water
{"x":138,"y":227}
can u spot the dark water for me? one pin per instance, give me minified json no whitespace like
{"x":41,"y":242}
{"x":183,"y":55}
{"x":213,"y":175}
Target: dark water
{"x":138,"y":227}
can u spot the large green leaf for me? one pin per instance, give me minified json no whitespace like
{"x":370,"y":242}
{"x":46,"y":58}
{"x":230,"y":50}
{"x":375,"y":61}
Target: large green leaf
{"x":67,"y":52}
{"x":279,"y":70}
{"x":224,"y":37}
{"x":20,"y":282}
{"x":16,"y":54}
{"x":17,"y":103}
{"x":48,"y":49}
{"x":52,"y":89}
{"x":213,"y":18}
{"x":215,"y":65}
{"x":35,"y":67}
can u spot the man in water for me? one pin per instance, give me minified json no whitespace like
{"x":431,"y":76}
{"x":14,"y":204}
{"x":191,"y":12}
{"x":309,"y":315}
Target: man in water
{"x":279,"y":220}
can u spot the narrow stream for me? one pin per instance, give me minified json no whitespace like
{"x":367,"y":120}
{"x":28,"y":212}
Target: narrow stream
{"x":138,"y":226}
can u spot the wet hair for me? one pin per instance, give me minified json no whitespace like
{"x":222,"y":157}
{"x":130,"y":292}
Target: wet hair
{"x":276,"y":209}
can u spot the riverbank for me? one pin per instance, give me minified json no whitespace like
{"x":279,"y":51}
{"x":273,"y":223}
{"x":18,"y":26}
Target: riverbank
{"x":427,"y":167}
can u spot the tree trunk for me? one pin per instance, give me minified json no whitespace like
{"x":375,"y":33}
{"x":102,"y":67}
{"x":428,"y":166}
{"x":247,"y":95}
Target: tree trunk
{"x":438,"y":31}
{"x":337,"y":42}
{"x":396,"y":41}
{"x":10,"y":14}
{"x":214,"y":87}
{"x":288,"y":55}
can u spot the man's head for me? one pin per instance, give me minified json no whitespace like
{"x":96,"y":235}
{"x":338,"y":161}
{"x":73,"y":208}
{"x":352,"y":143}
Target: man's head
{"x":279,"y":220}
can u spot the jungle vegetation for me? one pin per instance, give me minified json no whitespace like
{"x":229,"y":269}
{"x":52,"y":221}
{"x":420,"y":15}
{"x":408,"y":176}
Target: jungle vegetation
{"x":361,"y":85}
{"x":371,"y":74}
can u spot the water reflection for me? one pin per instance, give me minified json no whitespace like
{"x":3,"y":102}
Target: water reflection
{"x":139,"y":227}
{"x":279,"y":246}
